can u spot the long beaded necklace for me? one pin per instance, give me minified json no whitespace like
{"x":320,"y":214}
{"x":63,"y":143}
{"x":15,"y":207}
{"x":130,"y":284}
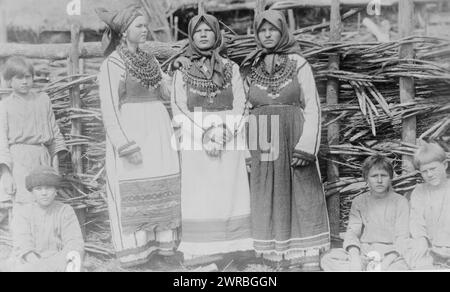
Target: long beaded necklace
{"x":274,"y":82}
{"x":206,"y":87}
{"x":141,"y":66}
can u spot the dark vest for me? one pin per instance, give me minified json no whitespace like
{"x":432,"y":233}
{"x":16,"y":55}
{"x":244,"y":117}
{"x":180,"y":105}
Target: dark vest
{"x":291,"y":94}
{"x":221,"y":102}
{"x":131,"y":91}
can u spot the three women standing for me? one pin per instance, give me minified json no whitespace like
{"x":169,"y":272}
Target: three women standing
{"x":143,"y":179}
{"x":208,"y":101}
{"x":289,"y":215}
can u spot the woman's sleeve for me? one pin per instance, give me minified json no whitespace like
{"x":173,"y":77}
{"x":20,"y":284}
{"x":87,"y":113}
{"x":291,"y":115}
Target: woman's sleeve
{"x":166,"y":85}
{"x":239,"y":112}
{"x":58,"y":143}
{"x":109,"y":78}
{"x":182,"y":117}
{"x":5,"y":155}
{"x":309,"y":143}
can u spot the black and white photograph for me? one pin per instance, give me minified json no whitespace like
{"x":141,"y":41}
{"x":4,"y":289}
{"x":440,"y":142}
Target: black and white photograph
{"x":227,"y":137}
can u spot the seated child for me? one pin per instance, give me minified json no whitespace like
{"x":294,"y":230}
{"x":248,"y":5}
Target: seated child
{"x":29,"y":134}
{"x":46,"y":231}
{"x":378,"y":224}
{"x":430,"y":211}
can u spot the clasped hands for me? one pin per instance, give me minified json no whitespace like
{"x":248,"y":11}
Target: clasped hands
{"x":215,"y":138}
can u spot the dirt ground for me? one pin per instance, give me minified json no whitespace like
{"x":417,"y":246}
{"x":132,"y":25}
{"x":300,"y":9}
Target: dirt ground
{"x":242,"y":262}
{"x":93,"y":262}
{"x":236,"y":262}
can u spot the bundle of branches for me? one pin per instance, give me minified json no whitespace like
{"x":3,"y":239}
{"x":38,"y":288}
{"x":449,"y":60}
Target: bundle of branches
{"x":351,"y":184}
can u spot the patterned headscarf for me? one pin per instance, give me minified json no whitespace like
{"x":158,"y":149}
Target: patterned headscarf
{"x":211,"y":58}
{"x":118,"y":23}
{"x":286,"y":45}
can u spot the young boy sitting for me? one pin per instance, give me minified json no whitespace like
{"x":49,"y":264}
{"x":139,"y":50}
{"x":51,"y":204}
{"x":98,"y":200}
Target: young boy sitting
{"x":430,"y":211}
{"x":378,"y":224}
{"x":46,"y":231}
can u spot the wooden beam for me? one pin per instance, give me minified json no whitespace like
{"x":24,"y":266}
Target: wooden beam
{"x":260,"y":6}
{"x":201,"y":7}
{"x":88,"y":50}
{"x":74,"y":69}
{"x":3,"y":40}
{"x":74,"y":92}
{"x":326,"y":3}
{"x":231,"y":7}
{"x":333,"y":202}
{"x":291,"y":20}
{"x":407,"y":90}
{"x":158,"y":24}
{"x":3,"y":23}
{"x":214,"y":7}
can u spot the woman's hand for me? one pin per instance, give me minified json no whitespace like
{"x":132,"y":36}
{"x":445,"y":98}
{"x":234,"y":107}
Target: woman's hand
{"x":212,"y":149}
{"x":9,"y":185}
{"x":228,"y":135}
{"x":297,"y":162}
{"x":221,"y":135}
{"x":181,"y":62}
{"x":135,"y":158}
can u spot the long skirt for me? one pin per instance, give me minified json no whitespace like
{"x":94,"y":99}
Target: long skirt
{"x":144,"y":200}
{"x":289,"y":214}
{"x":215,"y":201}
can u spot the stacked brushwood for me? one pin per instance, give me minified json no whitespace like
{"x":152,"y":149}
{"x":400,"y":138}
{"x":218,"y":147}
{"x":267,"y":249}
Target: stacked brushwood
{"x":369,"y":112}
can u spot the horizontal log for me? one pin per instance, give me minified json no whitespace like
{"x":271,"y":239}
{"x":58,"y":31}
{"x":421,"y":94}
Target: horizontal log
{"x":161,"y":50}
{"x":290,"y":4}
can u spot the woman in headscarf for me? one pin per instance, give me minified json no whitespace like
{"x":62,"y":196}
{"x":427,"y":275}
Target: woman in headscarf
{"x":208,"y":103}
{"x":142,"y":168}
{"x":289,"y":215}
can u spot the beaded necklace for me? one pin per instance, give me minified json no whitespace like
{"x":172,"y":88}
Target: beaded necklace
{"x":141,"y":66}
{"x":206,"y":87}
{"x":274,"y":82}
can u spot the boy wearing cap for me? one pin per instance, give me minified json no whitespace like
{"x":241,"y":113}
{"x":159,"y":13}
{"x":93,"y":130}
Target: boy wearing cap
{"x":430,"y":211}
{"x":46,"y":231}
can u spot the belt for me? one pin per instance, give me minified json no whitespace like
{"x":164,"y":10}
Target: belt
{"x":277,"y":104}
{"x":139,"y":99}
{"x":28,"y":144}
